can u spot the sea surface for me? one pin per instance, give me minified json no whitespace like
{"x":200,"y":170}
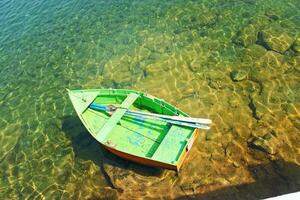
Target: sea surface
{"x":235,"y":62}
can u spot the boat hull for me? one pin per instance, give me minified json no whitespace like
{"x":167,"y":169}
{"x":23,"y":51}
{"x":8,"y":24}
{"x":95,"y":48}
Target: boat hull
{"x":149,"y":162}
{"x":148,"y":141}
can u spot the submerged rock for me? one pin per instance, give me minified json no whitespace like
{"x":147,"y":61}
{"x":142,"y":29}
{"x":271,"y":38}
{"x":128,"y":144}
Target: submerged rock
{"x":272,"y":15}
{"x":276,"y":39}
{"x":247,"y":36}
{"x":254,"y":52}
{"x":265,"y":143}
{"x":238,"y":75}
{"x":270,"y":59}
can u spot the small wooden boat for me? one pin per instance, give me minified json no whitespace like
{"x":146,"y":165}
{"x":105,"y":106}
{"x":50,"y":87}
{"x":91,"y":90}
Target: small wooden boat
{"x":137,"y":126}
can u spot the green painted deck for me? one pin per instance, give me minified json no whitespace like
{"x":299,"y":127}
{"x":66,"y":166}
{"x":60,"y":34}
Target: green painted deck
{"x":116,"y":117}
{"x":146,"y":138}
{"x":177,"y":139}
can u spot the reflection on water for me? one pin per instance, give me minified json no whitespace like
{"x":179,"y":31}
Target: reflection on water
{"x":236,"y":62}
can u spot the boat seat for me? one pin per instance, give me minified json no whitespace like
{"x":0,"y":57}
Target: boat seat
{"x":115,"y":118}
{"x":172,"y":144}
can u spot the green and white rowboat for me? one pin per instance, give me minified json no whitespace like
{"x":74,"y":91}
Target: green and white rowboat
{"x":137,"y":126}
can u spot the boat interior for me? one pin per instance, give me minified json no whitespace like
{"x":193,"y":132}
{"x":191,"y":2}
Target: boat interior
{"x":141,"y":136}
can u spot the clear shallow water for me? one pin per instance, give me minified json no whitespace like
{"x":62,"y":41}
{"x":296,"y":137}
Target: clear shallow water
{"x":236,"y":62}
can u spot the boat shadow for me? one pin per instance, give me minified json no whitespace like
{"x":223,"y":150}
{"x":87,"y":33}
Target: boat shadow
{"x":87,"y":148}
{"x":273,"y":179}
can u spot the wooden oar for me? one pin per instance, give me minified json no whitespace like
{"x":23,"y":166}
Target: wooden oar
{"x":193,"y":125}
{"x":138,"y":114}
{"x":177,"y":118}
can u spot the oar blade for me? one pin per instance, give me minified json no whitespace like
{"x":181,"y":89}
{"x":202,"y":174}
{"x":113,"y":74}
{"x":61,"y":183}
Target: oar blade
{"x":191,"y":119}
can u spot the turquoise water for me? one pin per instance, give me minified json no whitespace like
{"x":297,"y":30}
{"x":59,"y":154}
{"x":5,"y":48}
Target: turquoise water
{"x":236,"y":62}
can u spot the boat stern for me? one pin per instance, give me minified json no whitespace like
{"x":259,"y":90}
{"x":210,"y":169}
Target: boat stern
{"x":187,"y":149}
